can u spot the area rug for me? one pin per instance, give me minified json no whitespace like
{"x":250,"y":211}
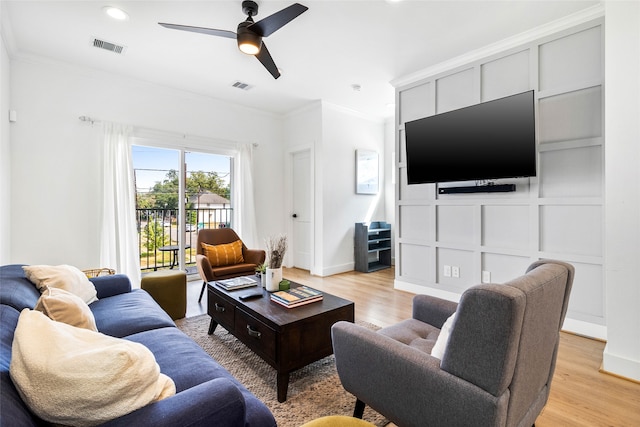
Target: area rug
{"x":314,"y":391}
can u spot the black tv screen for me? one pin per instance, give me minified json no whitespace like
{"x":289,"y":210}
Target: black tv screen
{"x":491,"y":140}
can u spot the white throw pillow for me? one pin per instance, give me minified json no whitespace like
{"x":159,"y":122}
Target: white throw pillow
{"x":77,"y":377}
{"x":441,"y":343}
{"x":64,"y":277}
{"x":63,"y":306}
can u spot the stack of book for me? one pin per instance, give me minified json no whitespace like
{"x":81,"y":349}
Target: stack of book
{"x":237,"y":283}
{"x":296,"y":297}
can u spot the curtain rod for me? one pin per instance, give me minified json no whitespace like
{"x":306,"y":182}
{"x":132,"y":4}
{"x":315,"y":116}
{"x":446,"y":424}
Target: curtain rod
{"x":93,"y":120}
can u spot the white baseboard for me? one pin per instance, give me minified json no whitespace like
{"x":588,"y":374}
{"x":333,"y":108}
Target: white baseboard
{"x":337,"y":269}
{"x":591,"y":330}
{"x":620,"y":366}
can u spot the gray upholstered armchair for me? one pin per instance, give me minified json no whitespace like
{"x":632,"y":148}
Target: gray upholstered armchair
{"x":497,"y":364}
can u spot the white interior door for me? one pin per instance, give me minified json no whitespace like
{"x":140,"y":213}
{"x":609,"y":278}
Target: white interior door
{"x":301,"y":204}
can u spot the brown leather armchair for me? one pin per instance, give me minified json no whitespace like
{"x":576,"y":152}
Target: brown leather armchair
{"x":219,"y":236}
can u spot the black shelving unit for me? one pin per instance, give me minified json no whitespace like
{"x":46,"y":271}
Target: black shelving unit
{"x":372,"y":246}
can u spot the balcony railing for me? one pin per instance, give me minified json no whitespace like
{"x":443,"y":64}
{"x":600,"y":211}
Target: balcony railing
{"x":158,"y":234}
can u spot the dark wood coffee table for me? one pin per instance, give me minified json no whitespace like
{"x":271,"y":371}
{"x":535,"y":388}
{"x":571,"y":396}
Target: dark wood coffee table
{"x":285,"y":338}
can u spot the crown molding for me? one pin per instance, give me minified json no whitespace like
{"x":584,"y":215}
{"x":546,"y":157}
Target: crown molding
{"x":542,"y":31}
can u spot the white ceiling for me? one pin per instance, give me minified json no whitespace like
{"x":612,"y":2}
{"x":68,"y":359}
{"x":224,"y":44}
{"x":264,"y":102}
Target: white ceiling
{"x":322,"y":53}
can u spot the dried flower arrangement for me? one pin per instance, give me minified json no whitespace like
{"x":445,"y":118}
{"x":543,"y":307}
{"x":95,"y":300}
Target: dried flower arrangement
{"x":276,"y":248}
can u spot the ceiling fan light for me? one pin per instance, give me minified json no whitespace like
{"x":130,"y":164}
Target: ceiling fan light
{"x":248,"y":41}
{"x":249,"y":48}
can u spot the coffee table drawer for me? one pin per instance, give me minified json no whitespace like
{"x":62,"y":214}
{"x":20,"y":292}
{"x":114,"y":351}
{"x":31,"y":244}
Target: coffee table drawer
{"x":256,"y":335}
{"x":221,"y":311}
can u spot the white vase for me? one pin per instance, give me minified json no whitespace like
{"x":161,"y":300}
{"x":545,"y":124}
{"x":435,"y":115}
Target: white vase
{"x":273,"y":278}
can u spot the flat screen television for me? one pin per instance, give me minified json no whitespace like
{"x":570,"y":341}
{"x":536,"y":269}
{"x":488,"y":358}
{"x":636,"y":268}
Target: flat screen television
{"x":491,"y":140}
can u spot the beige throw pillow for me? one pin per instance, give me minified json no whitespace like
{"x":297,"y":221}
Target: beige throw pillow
{"x":76,"y":377}
{"x":63,"y":306}
{"x":64,"y":277}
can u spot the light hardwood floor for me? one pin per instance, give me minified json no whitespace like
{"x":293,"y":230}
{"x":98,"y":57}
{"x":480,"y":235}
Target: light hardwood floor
{"x":580,"y":394}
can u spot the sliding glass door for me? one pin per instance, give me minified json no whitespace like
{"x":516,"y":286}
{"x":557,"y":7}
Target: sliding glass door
{"x":178,"y":192}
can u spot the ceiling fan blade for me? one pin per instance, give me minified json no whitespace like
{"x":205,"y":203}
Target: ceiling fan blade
{"x":208,"y":31}
{"x":272,"y":23}
{"x":265,"y":57}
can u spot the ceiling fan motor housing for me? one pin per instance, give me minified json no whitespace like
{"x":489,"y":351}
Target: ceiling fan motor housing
{"x":250,"y":8}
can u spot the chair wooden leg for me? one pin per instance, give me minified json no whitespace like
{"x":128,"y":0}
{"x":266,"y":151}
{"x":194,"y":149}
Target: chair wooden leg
{"x":358,"y":411}
{"x":204,"y":286}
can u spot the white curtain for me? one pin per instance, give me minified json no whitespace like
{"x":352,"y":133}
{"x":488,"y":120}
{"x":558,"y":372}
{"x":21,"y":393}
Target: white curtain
{"x":119,"y":235}
{"x":245,"y":205}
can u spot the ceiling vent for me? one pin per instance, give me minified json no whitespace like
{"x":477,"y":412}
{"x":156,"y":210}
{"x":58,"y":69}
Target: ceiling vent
{"x":241,"y":85}
{"x":111,"y":47}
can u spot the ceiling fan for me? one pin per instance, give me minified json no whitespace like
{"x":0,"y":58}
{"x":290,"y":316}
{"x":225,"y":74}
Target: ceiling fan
{"x":249,"y":34}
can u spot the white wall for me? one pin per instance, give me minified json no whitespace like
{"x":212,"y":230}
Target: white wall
{"x":622,"y":207}
{"x":5,"y":154}
{"x":55,"y":176}
{"x":343,"y":132}
{"x":389,"y":169}
{"x":303,"y":131}
{"x":333,"y":134}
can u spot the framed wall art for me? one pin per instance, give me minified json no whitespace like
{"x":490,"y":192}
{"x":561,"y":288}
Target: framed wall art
{"x":366,"y":172}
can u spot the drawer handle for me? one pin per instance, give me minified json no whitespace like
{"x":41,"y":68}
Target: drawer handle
{"x":253,"y":332}
{"x":219,"y":308}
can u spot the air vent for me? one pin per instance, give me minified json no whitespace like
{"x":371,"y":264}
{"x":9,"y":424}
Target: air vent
{"x":241,"y":85}
{"x":111,"y":47}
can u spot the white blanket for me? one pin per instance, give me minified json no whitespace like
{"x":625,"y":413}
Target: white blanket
{"x":77,"y":377}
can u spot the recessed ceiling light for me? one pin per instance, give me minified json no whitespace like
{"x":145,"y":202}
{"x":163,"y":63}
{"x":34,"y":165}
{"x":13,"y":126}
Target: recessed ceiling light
{"x":116,"y":13}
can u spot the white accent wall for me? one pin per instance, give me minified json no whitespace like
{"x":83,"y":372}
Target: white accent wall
{"x":557,"y":214}
{"x":584,"y":205}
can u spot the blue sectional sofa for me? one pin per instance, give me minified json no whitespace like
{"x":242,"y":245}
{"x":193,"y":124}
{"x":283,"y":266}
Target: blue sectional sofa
{"x":206,"y":394}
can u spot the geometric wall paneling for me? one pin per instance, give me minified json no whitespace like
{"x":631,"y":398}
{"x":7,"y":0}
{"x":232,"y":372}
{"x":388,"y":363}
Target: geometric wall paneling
{"x":574,"y":59}
{"x":570,"y":229}
{"x":415,"y":223}
{"x":570,"y":116}
{"x":570,"y":173}
{"x":556,"y":214}
{"x":414,"y":103}
{"x":408,"y":192}
{"x":458,"y":258}
{"x":402,"y":157}
{"x":414,"y":262}
{"x":587,"y":294}
{"x":505,"y":227}
{"x":455,"y":91}
{"x":455,"y":225}
{"x":504,"y":267}
{"x":505,"y":76}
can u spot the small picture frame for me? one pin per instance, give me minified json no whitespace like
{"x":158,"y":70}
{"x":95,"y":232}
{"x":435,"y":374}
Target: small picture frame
{"x":366,"y":172}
